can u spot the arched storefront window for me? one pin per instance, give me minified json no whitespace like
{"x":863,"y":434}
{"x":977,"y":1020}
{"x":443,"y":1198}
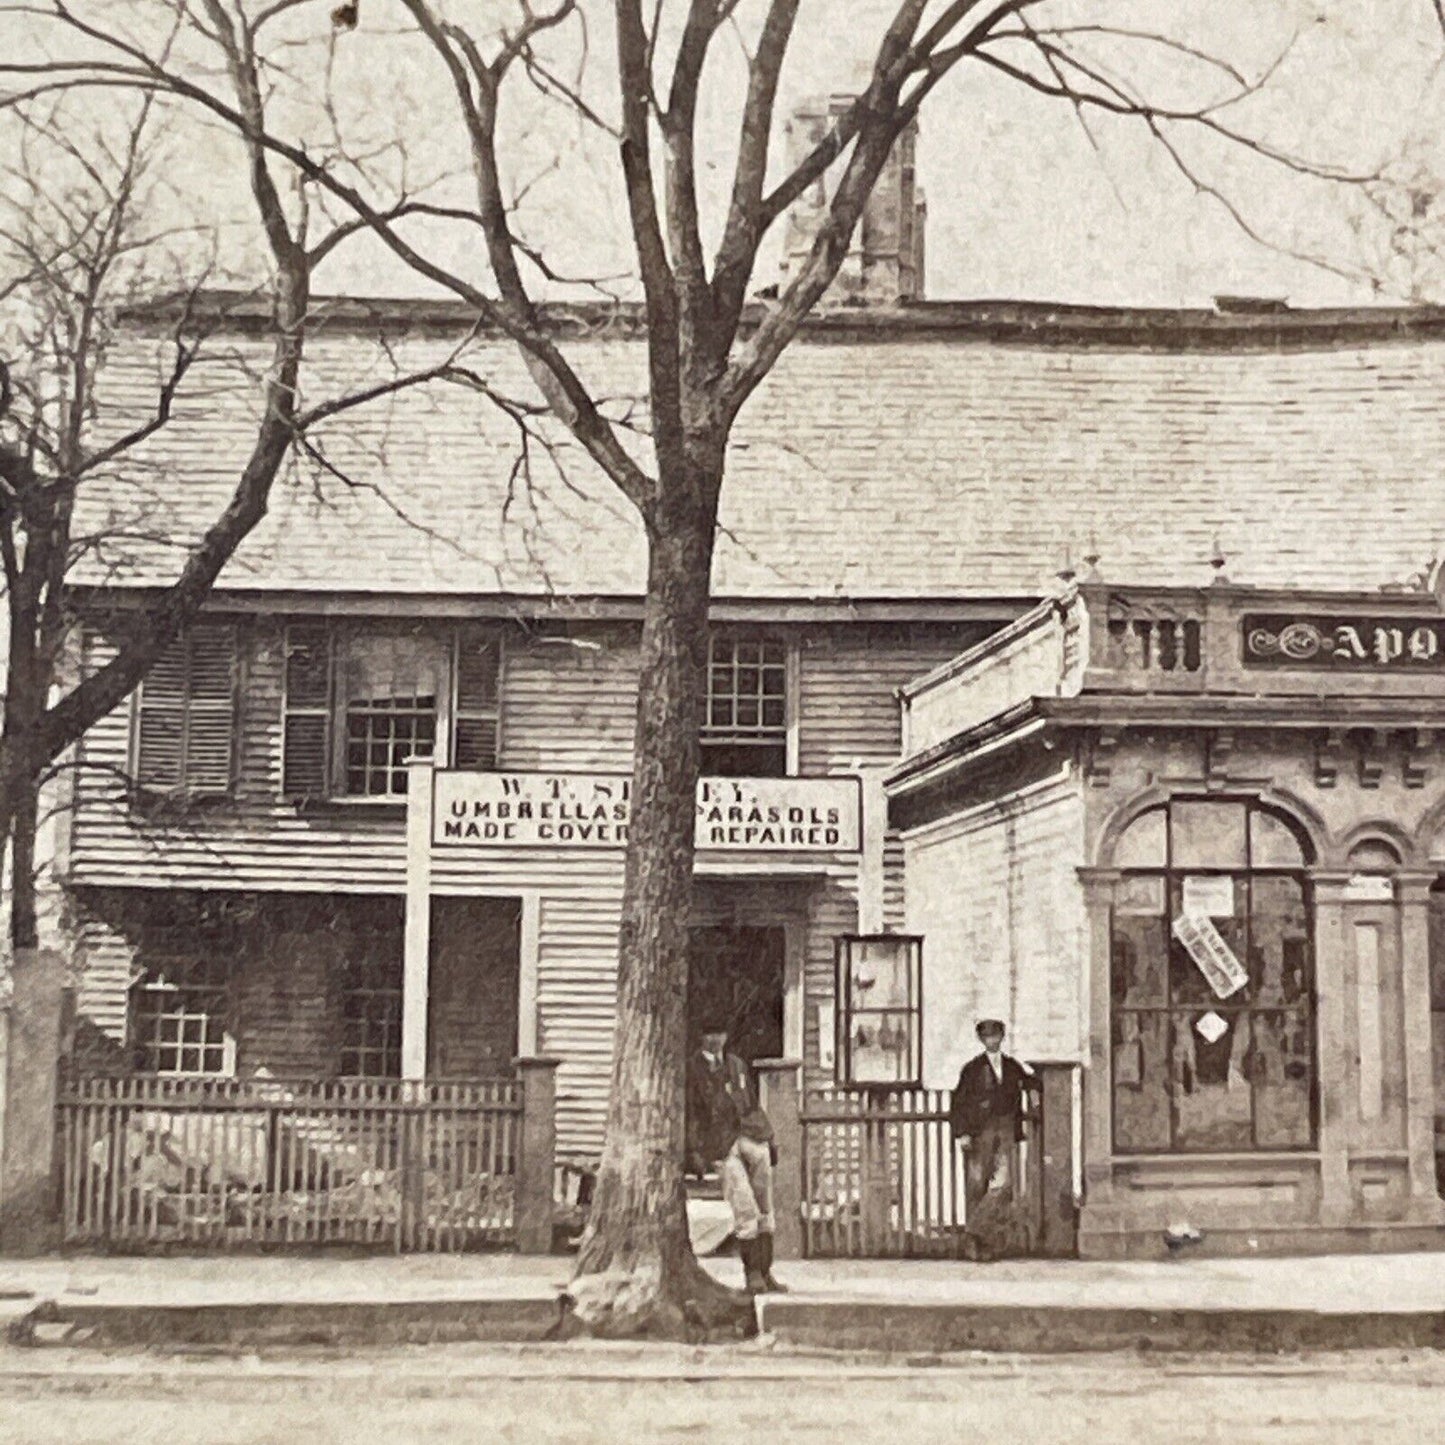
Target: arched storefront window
{"x":1212,"y":982}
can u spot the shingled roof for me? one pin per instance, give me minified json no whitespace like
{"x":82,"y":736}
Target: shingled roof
{"x":942,"y":451}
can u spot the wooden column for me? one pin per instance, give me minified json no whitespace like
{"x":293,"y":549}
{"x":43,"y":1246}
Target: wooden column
{"x":780,"y":1090}
{"x":1412,"y":891}
{"x":536,"y":1155}
{"x":873,"y":830}
{"x":528,"y":962}
{"x":416,"y":954}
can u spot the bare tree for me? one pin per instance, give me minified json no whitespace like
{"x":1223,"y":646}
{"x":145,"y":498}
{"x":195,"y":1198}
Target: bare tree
{"x":83,"y":242}
{"x":708,"y":348}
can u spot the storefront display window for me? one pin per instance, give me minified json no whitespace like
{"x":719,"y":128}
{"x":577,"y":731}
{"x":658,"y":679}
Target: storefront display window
{"x":1212,"y":988}
{"x":880,"y":1006}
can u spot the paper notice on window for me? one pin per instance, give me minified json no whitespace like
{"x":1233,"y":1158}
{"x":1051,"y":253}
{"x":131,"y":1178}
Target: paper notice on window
{"x":1208,"y":896}
{"x":1213,"y":957}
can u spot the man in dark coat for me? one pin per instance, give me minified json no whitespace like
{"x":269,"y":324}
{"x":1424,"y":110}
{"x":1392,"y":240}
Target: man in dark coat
{"x":986,"y":1115}
{"x":728,"y":1132}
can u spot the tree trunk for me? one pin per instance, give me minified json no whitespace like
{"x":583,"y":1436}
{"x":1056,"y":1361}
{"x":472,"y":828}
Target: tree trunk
{"x":24,"y":916}
{"x":636,"y":1273}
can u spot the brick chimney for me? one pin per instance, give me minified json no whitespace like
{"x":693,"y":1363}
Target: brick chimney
{"x":884,"y":264}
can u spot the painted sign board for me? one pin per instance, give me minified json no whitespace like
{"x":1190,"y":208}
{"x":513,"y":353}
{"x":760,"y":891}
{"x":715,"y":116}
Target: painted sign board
{"x":1214,"y":958}
{"x":1344,"y":643}
{"x":591,"y":810}
{"x":1369,"y":888}
{"x":1208,"y":895}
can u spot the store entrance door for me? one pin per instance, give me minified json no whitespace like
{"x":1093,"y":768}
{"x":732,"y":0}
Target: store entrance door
{"x":735,"y":975}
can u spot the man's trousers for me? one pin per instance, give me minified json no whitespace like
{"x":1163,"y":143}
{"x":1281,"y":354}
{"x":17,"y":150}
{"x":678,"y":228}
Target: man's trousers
{"x":746,"y":1175}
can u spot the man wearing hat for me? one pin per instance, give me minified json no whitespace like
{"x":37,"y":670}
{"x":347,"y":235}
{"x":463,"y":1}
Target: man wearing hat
{"x":986,"y":1115}
{"x":729,"y":1132}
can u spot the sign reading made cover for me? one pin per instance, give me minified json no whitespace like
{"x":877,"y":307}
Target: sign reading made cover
{"x":590,"y":810}
{"x":1396,"y":644}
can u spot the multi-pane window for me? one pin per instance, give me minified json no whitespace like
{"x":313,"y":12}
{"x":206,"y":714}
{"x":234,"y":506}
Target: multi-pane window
{"x":180,"y":1011}
{"x":185,"y":715}
{"x":1212,"y":982}
{"x":391,"y":687}
{"x":371,"y":1014}
{"x":361,"y":701}
{"x":745,"y":720}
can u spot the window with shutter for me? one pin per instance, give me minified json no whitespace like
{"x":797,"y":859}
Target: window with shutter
{"x":360,"y":701}
{"x":305,"y":771}
{"x":476,"y":712}
{"x":186,"y":715}
{"x":392,"y":682}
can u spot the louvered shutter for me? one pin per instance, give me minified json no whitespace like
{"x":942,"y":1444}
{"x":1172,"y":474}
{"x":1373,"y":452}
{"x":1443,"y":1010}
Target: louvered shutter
{"x":306,"y":748}
{"x":211,"y":709}
{"x":161,"y":723}
{"x":187,"y":715}
{"x":475,"y":715}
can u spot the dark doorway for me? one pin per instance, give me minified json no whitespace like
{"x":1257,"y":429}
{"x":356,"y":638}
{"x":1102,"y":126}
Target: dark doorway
{"x":735,"y":975}
{"x":475,"y":967}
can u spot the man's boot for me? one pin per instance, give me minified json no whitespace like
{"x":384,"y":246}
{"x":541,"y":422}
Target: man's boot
{"x":750,"y":1254}
{"x":765,"y":1265}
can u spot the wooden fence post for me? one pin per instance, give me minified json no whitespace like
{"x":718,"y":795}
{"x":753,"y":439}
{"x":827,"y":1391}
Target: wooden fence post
{"x":780,"y":1087}
{"x":35,"y":1025}
{"x":1054,"y":1144}
{"x":537,"y":1154}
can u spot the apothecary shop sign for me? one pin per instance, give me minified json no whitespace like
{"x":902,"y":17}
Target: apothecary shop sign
{"x":589,"y":810}
{"x":1335,"y":643}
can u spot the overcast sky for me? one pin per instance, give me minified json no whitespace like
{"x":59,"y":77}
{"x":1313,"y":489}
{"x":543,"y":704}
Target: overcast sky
{"x":1022,"y":202}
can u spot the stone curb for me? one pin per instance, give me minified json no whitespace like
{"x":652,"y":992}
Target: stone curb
{"x":831,"y":1325}
{"x":288,"y":1323}
{"x":942,"y":1329}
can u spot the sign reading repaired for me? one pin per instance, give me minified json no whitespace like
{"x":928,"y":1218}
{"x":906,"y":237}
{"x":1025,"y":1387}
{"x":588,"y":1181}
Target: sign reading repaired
{"x":588,"y":810}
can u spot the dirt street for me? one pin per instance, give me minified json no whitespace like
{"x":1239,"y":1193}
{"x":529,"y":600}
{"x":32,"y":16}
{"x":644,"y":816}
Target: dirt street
{"x":588,"y":1393}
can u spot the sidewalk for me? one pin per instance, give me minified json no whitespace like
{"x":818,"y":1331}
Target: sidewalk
{"x":1338,"y":1301}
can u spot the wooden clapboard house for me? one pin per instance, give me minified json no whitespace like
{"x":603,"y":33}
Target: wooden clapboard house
{"x":908,"y":486}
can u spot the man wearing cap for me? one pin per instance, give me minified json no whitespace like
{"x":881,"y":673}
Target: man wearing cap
{"x":729,"y":1132}
{"x":986,"y":1115}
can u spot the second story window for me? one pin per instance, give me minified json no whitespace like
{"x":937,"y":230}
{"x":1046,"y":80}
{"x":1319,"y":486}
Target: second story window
{"x":391,"y":692}
{"x":362,"y":700}
{"x":185,"y":716}
{"x":745,"y":724}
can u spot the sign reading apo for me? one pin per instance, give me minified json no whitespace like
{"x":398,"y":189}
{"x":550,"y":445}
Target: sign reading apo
{"x":1363,"y":643}
{"x":588,"y":810}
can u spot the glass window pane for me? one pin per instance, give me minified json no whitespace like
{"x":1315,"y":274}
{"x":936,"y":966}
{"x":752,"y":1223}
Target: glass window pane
{"x":1188,"y":983}
{"x":881,"y":975}
{"x":1279,"y":962}
{"x":1141,"y":1081}
{"x":1142,"y":845}
{"x":1280,"y":1069}
{"x":1437,"y":947}
{"x":1207,"y":834}
{"x":1272,"y":842}
{"x":1141,"y":960}
{"x":880,"y":1046}
{"x":1212,"y":1100}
